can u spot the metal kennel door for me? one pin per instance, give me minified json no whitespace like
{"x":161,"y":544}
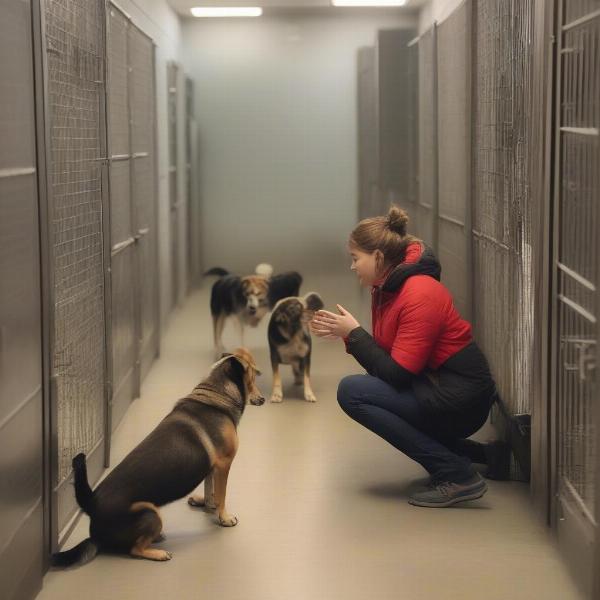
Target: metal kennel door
{"x":131,"y":126}
{"x":575,"y":290}
{"x":76,"y":163}
{"x":22,"y":546}
{"x":123,"y":280}
{"x":143,"y":185}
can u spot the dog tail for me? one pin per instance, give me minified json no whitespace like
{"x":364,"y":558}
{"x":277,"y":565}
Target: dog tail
{"x":264,"y":269}
{"x":217,"y":271}
{"x":83,"y":491}
{"x":79,"y":555}
{"x":284,"y":285}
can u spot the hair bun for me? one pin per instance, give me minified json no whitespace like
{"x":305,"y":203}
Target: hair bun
{"x":397,"y":220}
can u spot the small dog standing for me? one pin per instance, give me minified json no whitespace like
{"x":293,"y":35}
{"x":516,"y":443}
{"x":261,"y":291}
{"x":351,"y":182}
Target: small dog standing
{"x":290,"y":342}
{"x":196,"y":441}
{"x":248,"y":298}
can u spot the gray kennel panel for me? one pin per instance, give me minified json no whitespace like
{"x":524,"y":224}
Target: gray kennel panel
{"x":397,"y":82}
{"x":124,"y":345}
{"x":143,"y":118}
{"x":21,"y":409}
{"x":426,"y":216}
{"x":368,"y":146}
{"x":454,"y":231}
{"x":118,"y":102}
{"x":174,"y":208}
{"x":121,"y":227}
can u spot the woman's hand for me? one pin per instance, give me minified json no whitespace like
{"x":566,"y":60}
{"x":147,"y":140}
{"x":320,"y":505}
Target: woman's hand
{"x":328,"y":325}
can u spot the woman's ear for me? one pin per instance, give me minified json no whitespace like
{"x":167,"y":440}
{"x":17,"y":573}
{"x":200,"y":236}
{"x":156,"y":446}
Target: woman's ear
{"x":379,"y":261}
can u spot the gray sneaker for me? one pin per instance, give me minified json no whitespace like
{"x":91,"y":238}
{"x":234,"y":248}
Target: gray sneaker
{"x":441,"y":495}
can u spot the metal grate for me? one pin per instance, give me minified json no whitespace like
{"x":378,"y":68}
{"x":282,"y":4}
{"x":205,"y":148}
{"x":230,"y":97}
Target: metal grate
{"x":502,"y":211}
{"x":576,"y":269}
{"x":575,"y":10}
{"x":74,"y":33}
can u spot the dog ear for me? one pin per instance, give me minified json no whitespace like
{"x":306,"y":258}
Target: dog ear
{"x":244,"y":358}
{"x":313,"y":301}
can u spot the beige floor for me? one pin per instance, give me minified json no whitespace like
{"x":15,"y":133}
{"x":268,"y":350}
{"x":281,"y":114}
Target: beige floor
{"x":321,"y":504}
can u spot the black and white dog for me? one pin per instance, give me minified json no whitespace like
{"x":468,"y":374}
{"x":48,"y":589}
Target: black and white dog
{"x":248,"y":298}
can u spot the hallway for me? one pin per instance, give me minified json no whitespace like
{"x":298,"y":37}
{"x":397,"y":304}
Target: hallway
{"x":321,"y":502}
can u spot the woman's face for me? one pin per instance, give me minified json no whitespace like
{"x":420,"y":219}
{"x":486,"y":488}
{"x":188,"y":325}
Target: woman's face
{"x":364,"y":264}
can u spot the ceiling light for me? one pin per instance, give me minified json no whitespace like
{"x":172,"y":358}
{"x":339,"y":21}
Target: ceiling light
{"x":368,"y":2}
{"x":226,"y":11}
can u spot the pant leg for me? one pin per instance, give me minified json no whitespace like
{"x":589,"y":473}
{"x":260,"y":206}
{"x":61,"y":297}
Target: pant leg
{"x":400,"y":419}
{"x":454,"y":429}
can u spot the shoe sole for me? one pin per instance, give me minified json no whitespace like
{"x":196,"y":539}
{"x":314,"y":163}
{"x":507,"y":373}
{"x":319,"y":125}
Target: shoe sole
{"x":472,"y":496}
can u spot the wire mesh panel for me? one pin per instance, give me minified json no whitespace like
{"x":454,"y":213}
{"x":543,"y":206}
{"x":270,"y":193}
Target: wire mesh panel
{"x":426,"y":216}
{"x":123,"y":284}
{"x":502,"y":211}
{"x":454,"y":235}
{"x":142,"y":93}
{"x":21,"y":408}
{"x":172,"y":74}
{"x":75,"y":59}
{"x":576,"y":273}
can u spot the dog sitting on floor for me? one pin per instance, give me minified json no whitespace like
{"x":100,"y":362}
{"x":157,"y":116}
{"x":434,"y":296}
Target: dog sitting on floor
{"x":290,"y":342}
{"x":248,"y":298}
{"x":196,"y":441}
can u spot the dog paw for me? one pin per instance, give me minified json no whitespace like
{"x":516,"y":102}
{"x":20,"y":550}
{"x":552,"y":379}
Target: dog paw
{"x":228,"y":520}
{"x":277,"y":397}
{"x":165,"y":555}
{"x":201,"y":502}
{"x":310,"y":397}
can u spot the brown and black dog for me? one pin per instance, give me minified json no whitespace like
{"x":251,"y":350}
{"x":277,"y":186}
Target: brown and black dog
{"x":197,"y":441}
{"x":249,"y":298}
{"x":290,"y":342}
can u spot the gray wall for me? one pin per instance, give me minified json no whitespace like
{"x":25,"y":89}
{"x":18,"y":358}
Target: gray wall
{"x":276,"y":111}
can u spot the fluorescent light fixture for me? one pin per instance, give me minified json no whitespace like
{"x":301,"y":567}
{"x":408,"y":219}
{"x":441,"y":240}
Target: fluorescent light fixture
{"x":368,"y":3}
{"x":226,"y":11}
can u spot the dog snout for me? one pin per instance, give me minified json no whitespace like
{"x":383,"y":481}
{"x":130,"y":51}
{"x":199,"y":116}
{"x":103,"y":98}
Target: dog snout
{"x":252,"y":310}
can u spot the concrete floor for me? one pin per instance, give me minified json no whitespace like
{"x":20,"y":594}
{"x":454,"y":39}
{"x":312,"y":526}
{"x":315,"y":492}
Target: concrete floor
{"x":321,"y":502}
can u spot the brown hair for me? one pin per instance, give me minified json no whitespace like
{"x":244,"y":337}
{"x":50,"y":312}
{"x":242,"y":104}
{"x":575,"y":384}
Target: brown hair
{"x":386,"y":234}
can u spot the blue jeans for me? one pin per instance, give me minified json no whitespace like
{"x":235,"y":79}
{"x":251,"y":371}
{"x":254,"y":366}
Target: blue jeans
{"x":435,"y":440}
